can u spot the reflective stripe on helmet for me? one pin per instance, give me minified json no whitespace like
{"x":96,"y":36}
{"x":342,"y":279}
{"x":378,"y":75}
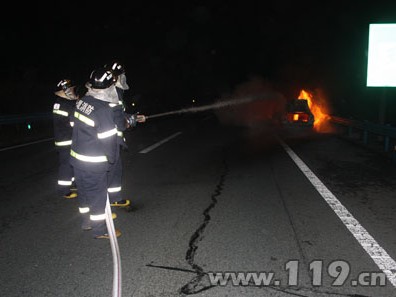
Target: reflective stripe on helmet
{"x":95,"y":159}
{"x":107,"y":133}
{"x":64,"y":84}
{"x":84,"y":209}
{"x":114,"y":190}
{"x":61,"y":112}
{"x":84,"y":119}
{"x":102,"y":78}
{"x":64,"y":182}
{"x":98,"y":217}
{"x":63,"y":143}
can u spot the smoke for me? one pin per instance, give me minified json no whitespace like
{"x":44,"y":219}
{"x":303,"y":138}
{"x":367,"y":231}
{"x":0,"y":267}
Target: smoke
{"x":267,"y":105}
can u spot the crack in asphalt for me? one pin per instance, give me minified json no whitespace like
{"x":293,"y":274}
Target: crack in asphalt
{"x":195,"y":285}
{"x":170,"y":268}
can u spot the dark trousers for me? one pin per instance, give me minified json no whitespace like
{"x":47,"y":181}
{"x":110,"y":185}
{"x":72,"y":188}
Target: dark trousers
{"x":65,"y":171}
{"x":92,"y":195}
{"x":115,"y":181}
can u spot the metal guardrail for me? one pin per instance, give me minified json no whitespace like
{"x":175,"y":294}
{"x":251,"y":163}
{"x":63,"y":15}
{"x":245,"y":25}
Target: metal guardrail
{"x":346,"y":122}
{"x":383,"y":130}
{"x":387,"y":133}
{"x":18,"y":119}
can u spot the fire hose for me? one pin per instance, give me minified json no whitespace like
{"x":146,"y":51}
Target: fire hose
{"x":117,"y":284}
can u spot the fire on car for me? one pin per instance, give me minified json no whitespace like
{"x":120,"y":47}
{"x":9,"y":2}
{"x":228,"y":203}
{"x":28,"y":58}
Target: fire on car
{"x":309,"y":111}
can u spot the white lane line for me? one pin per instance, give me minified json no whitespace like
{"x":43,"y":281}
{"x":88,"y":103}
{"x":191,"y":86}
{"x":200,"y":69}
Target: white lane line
{"x":154,"y":146}
{"x":25,"y":144}
{"x":373,"y":249}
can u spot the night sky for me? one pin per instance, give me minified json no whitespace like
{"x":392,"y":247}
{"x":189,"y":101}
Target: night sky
{"x":175,"y":51}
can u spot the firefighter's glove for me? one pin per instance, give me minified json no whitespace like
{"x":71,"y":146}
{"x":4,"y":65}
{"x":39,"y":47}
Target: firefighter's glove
{"x":132,"y":119}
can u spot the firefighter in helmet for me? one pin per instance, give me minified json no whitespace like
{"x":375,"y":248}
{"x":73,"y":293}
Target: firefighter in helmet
{"x":95,"y":149}
{"x":123,"y":121}
{"x":63,"y":108}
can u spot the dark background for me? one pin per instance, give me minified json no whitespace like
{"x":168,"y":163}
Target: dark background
{"x":174,"y":52}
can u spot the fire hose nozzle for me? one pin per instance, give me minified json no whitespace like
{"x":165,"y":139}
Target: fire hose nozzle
{"x":133,"y":119}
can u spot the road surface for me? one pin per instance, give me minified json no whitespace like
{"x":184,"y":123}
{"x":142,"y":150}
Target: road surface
{"x":217,"y":211}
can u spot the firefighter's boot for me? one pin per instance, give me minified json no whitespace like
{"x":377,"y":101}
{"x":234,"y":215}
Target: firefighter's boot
{"x":121,"y":203}
{"x":70,"y":195}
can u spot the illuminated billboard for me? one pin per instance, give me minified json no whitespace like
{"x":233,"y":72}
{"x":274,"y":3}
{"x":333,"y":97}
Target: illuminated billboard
{"x":381,"y":62}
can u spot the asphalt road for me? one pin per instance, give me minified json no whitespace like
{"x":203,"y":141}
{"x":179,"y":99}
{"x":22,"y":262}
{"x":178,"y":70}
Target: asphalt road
{"x":208,"y":199}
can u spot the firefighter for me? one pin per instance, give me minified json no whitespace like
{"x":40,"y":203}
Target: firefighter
{"x":63,"y":108}
{"x":123,"y":121}
{"x":95,"y":149}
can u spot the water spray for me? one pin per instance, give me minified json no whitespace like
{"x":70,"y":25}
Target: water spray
{"x":217,"y":105}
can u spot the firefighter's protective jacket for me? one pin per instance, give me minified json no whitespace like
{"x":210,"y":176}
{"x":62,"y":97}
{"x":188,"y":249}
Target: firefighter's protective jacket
{"x":63,"y":110}
{"x":94,"y":142}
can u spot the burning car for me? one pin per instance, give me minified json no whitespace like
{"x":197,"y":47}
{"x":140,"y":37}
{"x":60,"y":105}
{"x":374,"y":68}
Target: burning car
{"x":298,"y":113}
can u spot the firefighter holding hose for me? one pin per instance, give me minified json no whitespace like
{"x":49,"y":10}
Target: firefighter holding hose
{"x":123,"y":121}
{"x":94,"y":149}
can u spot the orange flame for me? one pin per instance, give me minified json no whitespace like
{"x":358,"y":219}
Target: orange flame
{"x":322,"y":118}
